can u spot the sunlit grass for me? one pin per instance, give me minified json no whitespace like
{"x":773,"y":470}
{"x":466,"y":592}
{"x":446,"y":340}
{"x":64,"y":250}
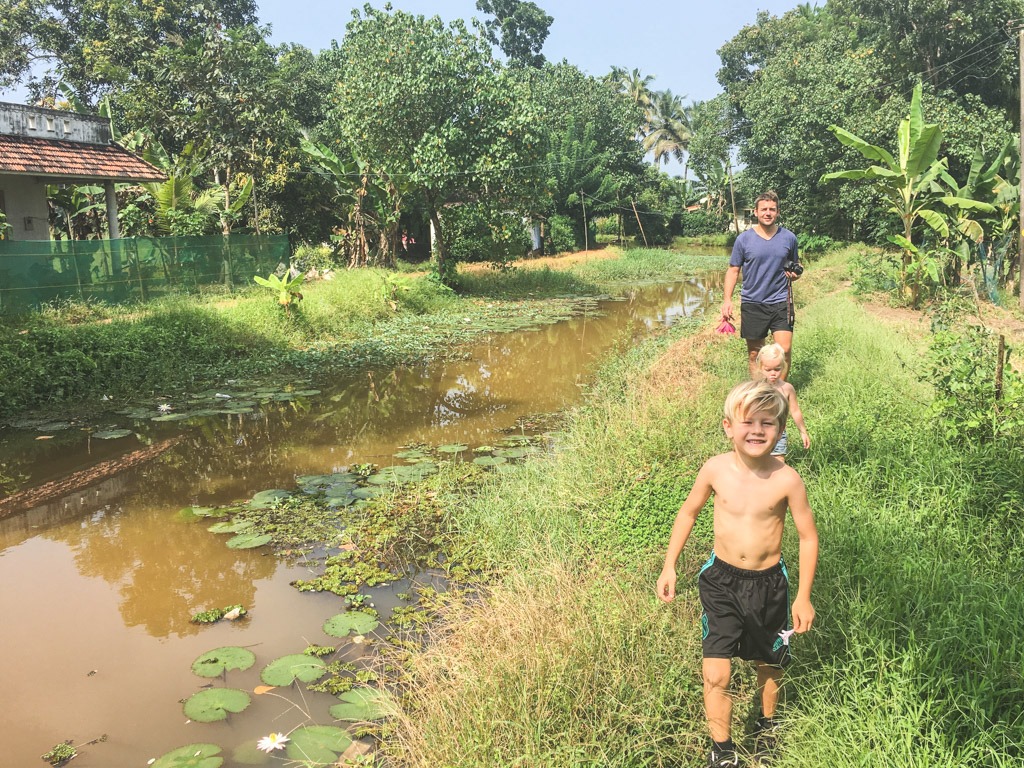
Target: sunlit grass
{"x":916,"y":656}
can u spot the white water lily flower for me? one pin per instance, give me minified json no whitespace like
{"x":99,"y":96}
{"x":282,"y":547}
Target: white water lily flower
{"x":358,"y":639}
{"x":272,"y":742}
{"x":165,"y":407}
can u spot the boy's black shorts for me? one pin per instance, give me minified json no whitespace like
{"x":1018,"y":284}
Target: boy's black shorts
{"x":744,"y":612}
{"x":757,"y":319}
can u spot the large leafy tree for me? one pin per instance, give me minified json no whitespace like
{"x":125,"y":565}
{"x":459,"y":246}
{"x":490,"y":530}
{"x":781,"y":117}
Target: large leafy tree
{"x":593,"y":161}
{"x":96,"y":45}
{"x":790,"y":77}
{"x":518,"y":27}
{"x":427,"y":104}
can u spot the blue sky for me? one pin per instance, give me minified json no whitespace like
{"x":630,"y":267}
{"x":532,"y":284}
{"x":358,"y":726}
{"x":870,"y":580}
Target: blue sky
{"x":674,"y":42}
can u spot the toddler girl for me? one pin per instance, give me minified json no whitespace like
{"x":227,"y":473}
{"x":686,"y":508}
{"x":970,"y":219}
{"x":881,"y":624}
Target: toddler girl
{"x":771,"y":366}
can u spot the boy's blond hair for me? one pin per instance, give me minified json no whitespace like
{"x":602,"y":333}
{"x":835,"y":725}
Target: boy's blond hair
{"x":755,"y":397}
{"x":772,"y":352}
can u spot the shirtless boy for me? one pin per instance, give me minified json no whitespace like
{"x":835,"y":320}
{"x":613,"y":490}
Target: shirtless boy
{"x":744,"y":586}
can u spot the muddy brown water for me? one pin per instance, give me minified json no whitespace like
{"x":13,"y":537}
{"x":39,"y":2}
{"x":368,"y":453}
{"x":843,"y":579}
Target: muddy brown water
{"x":98,"y":586}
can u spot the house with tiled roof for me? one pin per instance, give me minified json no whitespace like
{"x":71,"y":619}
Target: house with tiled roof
{"x":41,"y":146}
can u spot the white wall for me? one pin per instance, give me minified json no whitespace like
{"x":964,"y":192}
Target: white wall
{"x":24,"y":201}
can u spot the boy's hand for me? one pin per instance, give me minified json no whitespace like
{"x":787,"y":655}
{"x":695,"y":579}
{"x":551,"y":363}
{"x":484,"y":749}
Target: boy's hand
{"x":667,"y":584}
{"x":807,"y":440}
{"x":803,"y":615}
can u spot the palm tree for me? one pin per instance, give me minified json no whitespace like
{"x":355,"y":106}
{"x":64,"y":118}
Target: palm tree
{"x":668,"y":128}
{"x":636,"y":88}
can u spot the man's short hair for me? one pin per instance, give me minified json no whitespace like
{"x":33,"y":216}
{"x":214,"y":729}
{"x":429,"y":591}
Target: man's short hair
{"x":769,"y":196}
{"x":754,"y":397}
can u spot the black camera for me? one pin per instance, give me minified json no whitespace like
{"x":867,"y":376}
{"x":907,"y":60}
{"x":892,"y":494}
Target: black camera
{"x":793,"y":266}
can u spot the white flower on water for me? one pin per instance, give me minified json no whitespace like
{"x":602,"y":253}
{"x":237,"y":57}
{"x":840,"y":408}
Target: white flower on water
{"x":165,"y":407}
{"x":272,"y":742}
{"x":785,"y":635}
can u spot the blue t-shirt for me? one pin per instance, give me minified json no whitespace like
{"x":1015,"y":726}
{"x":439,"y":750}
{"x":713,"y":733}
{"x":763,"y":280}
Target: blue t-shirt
{"x":761,"y":262}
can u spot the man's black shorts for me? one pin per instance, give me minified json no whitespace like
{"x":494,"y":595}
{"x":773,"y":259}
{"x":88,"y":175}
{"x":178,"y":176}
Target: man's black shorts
{"x":744,"y":612}
{"x":757,"y":319}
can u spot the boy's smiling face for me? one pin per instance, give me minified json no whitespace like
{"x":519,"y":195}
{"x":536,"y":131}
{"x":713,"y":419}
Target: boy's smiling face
{"x":753,"y":434}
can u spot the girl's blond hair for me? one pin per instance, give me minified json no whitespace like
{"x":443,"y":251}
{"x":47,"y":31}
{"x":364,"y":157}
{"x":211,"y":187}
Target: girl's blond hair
{"x":755,"y":397}
{"x":772,"y":352}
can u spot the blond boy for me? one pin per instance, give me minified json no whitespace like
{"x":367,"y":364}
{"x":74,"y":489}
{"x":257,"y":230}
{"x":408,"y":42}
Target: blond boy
{"x":744,"y":586}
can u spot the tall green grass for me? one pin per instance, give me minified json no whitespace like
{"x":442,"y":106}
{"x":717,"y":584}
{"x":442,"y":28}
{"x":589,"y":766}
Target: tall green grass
{"x":916,"y":658}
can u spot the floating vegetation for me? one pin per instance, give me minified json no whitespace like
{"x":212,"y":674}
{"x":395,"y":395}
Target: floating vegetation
{"x":351,"y":623}
{"x":220,"y":660}
{"x":320,"y":651}
{"x":112,"y":434}
{"x":191,"y":756}
{"x":213,"y":615}
{"x":489,"y":461}
{"x":363,"y":705}
{"x":213,"y":704}
{"x":249,"y":540}
{"x":265,"y":499}
{"x":61,"y":753}
{"x":452,"y":448}
{"x":297,"y":666}
{"x":318,"y":744}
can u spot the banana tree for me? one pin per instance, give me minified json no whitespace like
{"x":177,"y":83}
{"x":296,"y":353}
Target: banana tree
{"x":910,"y":183}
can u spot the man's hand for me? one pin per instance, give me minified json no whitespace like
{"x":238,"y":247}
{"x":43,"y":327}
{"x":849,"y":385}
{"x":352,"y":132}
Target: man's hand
{"x":667,"y":584}
{"x":803,"y":615}
{"x":727,"y":309}
{"x":792,"y":275}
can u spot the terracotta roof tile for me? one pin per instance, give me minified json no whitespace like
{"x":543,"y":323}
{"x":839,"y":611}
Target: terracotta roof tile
{"x":24,"y":155}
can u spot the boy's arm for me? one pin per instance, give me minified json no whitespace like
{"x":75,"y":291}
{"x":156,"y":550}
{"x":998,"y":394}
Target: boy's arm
{"x":687,"y":516}
{"x":798,"y":416}
{"x":807,"y":532}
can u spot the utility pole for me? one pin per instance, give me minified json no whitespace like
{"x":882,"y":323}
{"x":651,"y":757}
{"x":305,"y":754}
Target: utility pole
{"x":1020,"y":221}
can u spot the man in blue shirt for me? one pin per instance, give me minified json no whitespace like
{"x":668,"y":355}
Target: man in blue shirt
{"x":759,"y":254}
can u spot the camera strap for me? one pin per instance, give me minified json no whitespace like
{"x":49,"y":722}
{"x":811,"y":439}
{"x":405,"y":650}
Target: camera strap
{"x":790,"y":311}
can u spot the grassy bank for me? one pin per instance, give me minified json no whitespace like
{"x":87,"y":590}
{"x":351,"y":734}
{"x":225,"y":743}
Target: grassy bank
{"x":915,"y":659}
{"x":77,"y":353}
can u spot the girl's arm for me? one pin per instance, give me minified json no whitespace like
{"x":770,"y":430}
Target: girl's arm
{"x":798,"y":416}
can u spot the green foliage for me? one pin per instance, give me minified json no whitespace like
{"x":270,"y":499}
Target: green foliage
{"x":519,"y":28}
{"x":60,"y":754}
{"x":704,"y":222}
{"x":191,"y":756}
{"x":216,"y":614}
{"x":477,"y":232}
{"x":972,"y":406}
{"x":427,"y":103}
{"x":560,"y":235}
{"x":810,"y":243}
{"x":297,"y":666}
{"x":286,"y":288}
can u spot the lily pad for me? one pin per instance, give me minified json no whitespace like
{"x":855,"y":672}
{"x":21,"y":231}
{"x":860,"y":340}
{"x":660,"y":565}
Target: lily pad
{"x":215,"y":704}
{"x":352,"y":623}
{"x":220,"y":660}
{"x":191,"y":756}
{"x":368,"y":492}
{"x":453,"y":448}
{"x":112,"y":434}
{"x":230,"y":526}
{"x":265,"y":499}
{"x":489,"y":461}
{"x":362,"y":705}
{"x":318,"y":744}
{"x":53,"y":426}
{"x":249,"y":540}
{"x":413,"y":454}
{"x":513,"y":453}
{"x":172,"y":417}
{"x":201,"y":512}
{"x":296,"y":666}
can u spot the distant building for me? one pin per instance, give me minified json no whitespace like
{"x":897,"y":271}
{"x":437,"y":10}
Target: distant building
{"x":41,"y":146}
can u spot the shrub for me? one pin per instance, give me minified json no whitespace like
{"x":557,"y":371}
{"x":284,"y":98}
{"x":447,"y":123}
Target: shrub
{"x":560,"y":235}
{"x":475,"y":232}
{"x":704,"y":222}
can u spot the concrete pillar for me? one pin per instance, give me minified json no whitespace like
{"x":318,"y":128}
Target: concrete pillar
{"x":114,"y":231}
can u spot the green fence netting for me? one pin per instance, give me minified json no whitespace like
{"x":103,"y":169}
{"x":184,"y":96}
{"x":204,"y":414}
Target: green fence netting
{"x":132,"y":269}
